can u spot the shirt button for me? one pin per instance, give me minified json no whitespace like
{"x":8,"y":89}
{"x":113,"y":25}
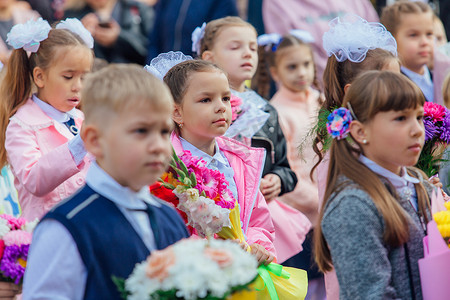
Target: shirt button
{"x":271,"y":129}
{"x":80,"y":181}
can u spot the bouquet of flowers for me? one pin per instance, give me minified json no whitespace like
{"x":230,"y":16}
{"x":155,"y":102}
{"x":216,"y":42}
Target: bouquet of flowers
{"x":15,"y":240}
{"x":201,"y":195}
{"x":437,"y":137}
{"x":191,"y":269}
{"x":442,"y":219}
{"x":204,"y":200}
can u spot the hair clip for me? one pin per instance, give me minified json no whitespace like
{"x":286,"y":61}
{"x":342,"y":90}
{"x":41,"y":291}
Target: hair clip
{"x":302,"y":35}
{"x":160,"y":65}
{"x":197,"y":36}
{"x":29,"y":35}
{"x":74,"y":25}
{"x":350,"y":37}
{"x":339,"y":122}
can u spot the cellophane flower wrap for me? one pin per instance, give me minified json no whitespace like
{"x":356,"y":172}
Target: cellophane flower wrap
{"x":199,"y":194}
{"x":437,"y":136}
{"x":15,"y":240}
{"x":191,"y":269}
{"x":442,"y":219}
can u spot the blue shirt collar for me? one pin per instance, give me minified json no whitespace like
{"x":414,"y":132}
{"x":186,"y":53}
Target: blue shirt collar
{"x":218,"y":155}
{"x":104,"y":184}
{"x":397,"y":181}
{"x":423,"y":81}
{"x":53,"y":113}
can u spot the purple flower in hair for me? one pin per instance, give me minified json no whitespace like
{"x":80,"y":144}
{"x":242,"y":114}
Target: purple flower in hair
{"x":338,"y":123}
{"x":14,"y":262}
{"x":431,"y":130}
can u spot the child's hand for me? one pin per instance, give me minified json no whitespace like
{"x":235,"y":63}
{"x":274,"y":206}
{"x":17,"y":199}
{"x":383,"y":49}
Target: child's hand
{"x":90,"y":22}
{"x":270,"y":186}
{"x":107,"y":36}
{"x":243,"y":245}
{"x":9,"y":290}
{"x":434,"y":180}
{"x":261,"y":254}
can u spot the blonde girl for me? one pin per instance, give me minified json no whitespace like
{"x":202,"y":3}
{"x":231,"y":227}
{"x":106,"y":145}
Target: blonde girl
{"x":40,"y":131}
{"x":373,"y":220}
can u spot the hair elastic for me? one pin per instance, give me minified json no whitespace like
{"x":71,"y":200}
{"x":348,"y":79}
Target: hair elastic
{"x":29,"y":35}
{"x":197,"y":36}
{"x":338,"y":124}
{"x":74,"y":25}
{"x":160,"y":65}
{"x":350,"y":37}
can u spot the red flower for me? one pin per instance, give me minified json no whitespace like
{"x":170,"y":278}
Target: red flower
{"x":157,"y":189}
{"x":435,"y":111}
{"x":2,"y":248}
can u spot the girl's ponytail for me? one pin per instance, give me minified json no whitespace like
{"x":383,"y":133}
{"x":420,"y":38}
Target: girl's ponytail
{"x":14,"y":92}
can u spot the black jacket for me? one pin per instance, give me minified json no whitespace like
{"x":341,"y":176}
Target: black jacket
{"x":136,"y":22}
{"x":271,"y":138}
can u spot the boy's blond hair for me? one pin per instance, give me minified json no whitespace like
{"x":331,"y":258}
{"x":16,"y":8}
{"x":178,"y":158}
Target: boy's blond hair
{"x":215,"y":27}
{"x":119,"y":86}
{"x":392,"y":14}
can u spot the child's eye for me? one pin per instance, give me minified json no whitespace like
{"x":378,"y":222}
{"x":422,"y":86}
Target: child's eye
{"x":306,"y":64}
{"x":68,"y":77}
{"x":141,"y":130}
{"x":165,"y":131}
{"x":420,"y":118}
{"x":226,"y":99}
{"x":292,"y":67}
{"x":205,"y":100}
{"x":400,"y":118}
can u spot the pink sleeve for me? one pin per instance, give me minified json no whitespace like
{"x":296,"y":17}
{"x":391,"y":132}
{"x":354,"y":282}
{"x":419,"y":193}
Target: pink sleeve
{"x":260,"y":228}
{"x":322,"y":174}
{"x":39,"y":173}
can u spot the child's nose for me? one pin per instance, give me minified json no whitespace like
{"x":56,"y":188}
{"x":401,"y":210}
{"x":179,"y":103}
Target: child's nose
{"x":159,"y":144}
{"x":76,"y":86}
{"x":221,"y":106}
{"x":418,"y":129}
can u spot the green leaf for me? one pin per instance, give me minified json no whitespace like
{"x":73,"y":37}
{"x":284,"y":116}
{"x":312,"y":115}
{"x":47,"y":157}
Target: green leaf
{"x":120,"y":283}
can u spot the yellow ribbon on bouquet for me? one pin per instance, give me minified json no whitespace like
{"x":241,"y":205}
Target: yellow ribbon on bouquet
{"x":274,"y":281}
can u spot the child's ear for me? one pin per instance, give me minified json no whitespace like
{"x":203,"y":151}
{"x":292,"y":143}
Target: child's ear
{"x":346,"y":87}
{"x":39,"y":77}
{"x":274,"y":73}
{"x":359,"y":132}
{"x":177,"y":115}
{"x":91,"y":135}
{"x":208,"y":55}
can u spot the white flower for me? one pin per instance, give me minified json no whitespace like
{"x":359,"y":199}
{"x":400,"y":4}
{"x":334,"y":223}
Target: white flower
{"x":74,"y":25}
{"x":197,"y":36}
{"x":4,"y":227}
{"x":29,"y":35}
{"x":198,"y":271}
{"x":29,"y":226}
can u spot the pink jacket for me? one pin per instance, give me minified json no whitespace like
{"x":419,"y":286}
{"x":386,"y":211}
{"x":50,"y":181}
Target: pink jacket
{"x":38,"y":152}
{"x":247,"y":164}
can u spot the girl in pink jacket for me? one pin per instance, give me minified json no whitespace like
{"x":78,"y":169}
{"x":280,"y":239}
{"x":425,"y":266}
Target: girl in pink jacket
{"x":40,"y":131}
{"x":202,"y":115}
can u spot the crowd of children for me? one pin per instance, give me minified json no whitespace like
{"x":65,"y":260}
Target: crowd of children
{"x":339,"y":197}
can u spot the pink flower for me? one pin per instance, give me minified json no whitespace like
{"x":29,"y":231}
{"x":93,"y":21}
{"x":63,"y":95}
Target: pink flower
{"x":159,"y":263}
{"x":15,"y":223}
{"x":17,"y":237}
{"x":435,"y":111}
{"x":236,"y":103}
{"x":222,"y":257}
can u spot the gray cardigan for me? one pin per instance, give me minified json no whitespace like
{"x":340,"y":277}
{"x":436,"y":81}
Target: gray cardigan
{"x":365,"y":266}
